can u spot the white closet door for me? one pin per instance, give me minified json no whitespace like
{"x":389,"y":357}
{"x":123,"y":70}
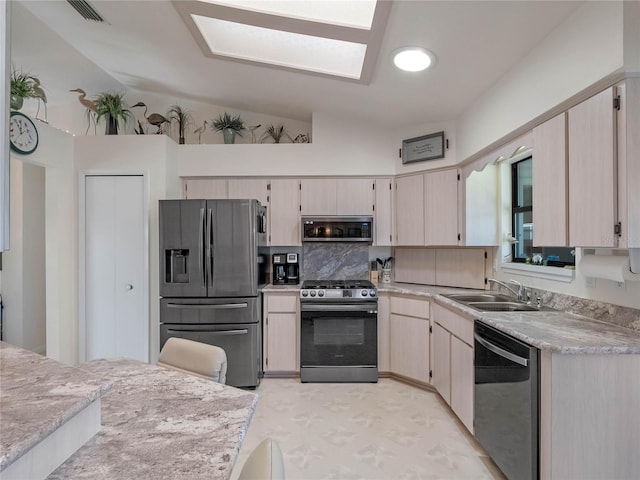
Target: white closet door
{"x":115,"y":313}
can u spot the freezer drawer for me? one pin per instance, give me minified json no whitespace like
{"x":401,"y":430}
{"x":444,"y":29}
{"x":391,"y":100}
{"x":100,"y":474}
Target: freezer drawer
{"x":210,"y":310}
{"x":241,"y":342}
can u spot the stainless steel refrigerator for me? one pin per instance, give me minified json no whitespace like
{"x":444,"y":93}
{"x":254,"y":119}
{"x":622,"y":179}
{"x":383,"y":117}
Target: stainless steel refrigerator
{"x":211,"y":265}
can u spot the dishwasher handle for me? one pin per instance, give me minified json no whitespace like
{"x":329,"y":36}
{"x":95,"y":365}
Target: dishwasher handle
{"x":501,"y":351}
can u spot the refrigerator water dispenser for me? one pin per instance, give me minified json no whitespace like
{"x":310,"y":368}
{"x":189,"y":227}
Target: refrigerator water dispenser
{"x":177,"y":265}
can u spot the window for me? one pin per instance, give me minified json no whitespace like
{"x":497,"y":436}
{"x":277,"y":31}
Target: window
{"x":522,"y":250}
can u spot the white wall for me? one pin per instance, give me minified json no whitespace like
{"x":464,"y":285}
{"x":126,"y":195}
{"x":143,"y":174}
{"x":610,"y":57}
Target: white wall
{"x":133,"y":154}
{"x":55,"y":154}
{"x":582,"y":50}
{"x":339,"y":147}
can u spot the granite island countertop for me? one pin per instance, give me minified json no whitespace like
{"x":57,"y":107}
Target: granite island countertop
{"x":39,"y":395}
{"x":560,"y":332}
{"x":162,"y":424}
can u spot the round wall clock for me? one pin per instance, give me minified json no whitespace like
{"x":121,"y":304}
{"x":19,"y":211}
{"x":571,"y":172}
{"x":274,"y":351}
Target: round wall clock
{"x":23,"y":134}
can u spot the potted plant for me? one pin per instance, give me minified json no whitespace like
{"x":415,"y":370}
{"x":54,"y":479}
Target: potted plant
{"x":275,"y":133}
{"x":182,"y":117}
{"x":111,"y":106}
{"x":229,"y":126}
{"x":24,"y":85}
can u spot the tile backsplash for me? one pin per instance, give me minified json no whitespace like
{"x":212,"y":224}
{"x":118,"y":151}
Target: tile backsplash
{"x":335,"y":261}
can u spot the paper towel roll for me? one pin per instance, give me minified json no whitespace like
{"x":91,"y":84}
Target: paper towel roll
{"x":609,"y":267}
{"x":634,"y":260}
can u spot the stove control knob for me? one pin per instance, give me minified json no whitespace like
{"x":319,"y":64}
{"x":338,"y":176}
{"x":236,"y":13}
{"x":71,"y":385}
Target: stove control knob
{"x":312,"y":293}
{"x":321,"y":293}
{"x":364,"y":293}
{"x":372,"y":293}
{"x":304,"y":293}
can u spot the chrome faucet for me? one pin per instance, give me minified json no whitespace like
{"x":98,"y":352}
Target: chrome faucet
{"x":520,"y":294}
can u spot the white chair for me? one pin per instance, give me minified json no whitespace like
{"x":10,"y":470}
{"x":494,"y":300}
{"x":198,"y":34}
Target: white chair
{"x":194,"y":358}
{"x":264,"y":463}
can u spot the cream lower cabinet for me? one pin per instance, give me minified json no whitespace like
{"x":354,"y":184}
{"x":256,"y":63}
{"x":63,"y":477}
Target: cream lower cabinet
{"x":453,"y":377}
{"x":281,"y":333}
{"x":409,"y":337}
{"x":383,"y":333}
{"x":589,"y":416}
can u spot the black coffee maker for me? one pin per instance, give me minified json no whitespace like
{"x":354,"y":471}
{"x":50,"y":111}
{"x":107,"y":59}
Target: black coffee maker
{"x":286,"y":269}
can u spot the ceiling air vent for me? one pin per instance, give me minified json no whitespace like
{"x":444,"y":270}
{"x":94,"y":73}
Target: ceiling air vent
{"x":85,"y":9}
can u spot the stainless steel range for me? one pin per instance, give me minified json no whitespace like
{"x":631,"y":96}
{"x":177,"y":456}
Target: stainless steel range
{"x":339,"y":331}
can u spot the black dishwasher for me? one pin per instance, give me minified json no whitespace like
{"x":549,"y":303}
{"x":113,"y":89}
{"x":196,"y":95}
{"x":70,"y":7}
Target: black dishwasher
{"x":506,"y":401}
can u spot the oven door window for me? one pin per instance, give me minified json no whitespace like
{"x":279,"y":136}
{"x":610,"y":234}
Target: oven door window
{"x":338,"y":339}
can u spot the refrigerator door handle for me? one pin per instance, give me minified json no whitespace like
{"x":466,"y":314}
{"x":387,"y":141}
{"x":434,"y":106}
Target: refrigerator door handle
{"x":209,"y":247}
{"x":243,"y":331}
{"x":220,"y":306}
{"x":201,"y":260}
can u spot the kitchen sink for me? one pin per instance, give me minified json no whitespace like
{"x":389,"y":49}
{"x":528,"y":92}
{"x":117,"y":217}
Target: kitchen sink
{"x":510,"y":306}
{"x":479,"y":297}
{"x":495,"y":302}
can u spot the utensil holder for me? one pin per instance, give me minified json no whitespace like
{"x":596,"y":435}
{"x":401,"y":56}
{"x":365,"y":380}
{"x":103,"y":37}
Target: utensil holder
{"x":386,"y":275}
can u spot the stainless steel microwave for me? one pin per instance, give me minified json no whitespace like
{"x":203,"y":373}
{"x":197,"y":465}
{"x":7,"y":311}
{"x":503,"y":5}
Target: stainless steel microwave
{"x":337,"y":229}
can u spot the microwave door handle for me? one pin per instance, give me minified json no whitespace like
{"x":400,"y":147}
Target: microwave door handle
{"x":242,"y":331}
{"x":208,"y":306}
{"x":500,"y":351}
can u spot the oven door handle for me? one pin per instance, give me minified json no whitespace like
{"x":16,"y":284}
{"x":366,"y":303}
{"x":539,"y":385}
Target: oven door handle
{"x":500,"y":351}
{"x":306,"y":307}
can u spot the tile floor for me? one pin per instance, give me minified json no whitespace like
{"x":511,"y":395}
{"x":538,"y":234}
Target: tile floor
{"x":384,"y":430}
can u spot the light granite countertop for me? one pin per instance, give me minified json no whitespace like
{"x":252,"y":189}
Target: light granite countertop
{"x":162,"y":424}
{"x":37,"y":396}
{"x":281,"y":288}
{"x":560,"y":332}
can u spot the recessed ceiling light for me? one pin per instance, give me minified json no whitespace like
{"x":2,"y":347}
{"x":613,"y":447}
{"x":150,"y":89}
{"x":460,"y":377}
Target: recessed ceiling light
{"x":413,"y":59}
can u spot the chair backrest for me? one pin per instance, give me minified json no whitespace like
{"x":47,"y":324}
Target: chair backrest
{"x":264,"y":463}
{"x":194,"y":358}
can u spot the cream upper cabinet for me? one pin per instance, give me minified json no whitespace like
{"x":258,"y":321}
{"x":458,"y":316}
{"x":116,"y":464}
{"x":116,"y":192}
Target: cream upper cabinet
{"x":337,"y":196}
{"x":441,"y":207}
{"x":550,"y":187}
{"x":318,"y":196}
{"x":409,"y":337}
{"x":281,"y":336}
{"x":593,"y":171}
{"x":285,"y":212}
{"x":409,"y":210}
{"x":383,"y":219}
{"x":208,"y":188}
{"x":354,"y":196}
{"x":257,"y":188}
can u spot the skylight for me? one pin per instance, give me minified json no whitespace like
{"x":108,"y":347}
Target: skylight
{"x":337,"y":38}
{"x":356,"y":14}
{"x":286,"y":49}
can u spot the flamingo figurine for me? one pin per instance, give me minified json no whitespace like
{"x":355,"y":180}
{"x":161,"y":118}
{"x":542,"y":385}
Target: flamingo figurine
{"x":200,"y":130}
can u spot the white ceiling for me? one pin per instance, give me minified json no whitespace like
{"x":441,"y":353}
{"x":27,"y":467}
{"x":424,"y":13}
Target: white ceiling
{"x":146,"y":46}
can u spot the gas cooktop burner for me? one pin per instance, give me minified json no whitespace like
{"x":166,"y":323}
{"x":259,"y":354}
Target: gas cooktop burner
{"x":349,"y":290}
